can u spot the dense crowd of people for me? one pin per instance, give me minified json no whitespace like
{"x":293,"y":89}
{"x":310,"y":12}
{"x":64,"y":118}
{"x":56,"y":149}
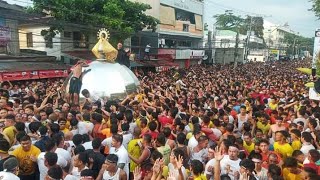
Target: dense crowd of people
{"x":201,"y":123}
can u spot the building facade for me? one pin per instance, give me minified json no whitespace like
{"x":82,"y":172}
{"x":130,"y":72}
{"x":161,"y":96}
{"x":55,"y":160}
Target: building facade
{"x":9,"y":38}
{"x":225,"y":46}
{"x":274,"y":35}
{"x":62,"y":45}
{"x":180,"y":31}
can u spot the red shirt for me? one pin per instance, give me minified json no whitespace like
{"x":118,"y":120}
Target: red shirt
{"x":164,"y":120}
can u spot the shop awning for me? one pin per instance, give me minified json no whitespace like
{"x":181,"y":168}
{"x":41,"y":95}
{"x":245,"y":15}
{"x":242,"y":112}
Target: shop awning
{"x":85,"y":54}
{"x":160,"y":65}
{"x":20,"y":70}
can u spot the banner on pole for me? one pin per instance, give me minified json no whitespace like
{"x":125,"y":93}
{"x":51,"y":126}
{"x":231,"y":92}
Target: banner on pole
{"x":316,"y":49}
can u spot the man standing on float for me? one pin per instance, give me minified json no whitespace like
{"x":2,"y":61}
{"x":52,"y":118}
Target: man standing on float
{"x":76,"y":81}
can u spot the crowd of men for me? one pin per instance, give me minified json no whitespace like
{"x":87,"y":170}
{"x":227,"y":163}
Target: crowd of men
{"x":205,"y":122}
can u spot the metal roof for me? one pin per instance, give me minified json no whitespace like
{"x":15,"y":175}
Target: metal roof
{"x":6,"y":66}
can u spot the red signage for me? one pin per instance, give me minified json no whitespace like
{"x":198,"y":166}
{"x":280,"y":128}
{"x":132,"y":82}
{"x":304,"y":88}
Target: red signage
{"x":26,"y":75}
{"x":11,"y":76}
{"x":168,"y":54}
{"x":52,"y":73}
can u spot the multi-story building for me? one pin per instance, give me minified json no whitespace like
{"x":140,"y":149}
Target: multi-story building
{"x":181,"y":27}
{"x":9,"y":39}
{"x":68,"y":45}
{"x":274,"y":35}
{"x":14,"y":65}
{"x":225,"y":46}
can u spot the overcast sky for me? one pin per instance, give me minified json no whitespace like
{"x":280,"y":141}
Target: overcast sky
{"x":295,"y":12}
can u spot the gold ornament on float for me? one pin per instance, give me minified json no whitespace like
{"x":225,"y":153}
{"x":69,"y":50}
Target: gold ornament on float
{"x":103,"y":50}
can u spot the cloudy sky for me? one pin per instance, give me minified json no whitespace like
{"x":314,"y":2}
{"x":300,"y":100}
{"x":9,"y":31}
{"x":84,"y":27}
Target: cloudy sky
{"x":293,"y":12}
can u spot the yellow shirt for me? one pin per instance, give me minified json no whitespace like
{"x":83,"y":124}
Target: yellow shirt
{"x":10,"y":132}
{"x":296,"y":145}
{"x":26,"y":165}
{"x":273,"y":106}
{"x":165,"y":171}
{"x":248,"y":148}
{"x":287,"y":175}
{"x":264,"y":128}
{"x":134,"y":150}
{"x":201,"y":177}
{"x":65,"y":131}
{"x":284,"y":150}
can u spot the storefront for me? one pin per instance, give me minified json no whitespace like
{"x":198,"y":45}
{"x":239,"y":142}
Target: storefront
{"x":26,"y":69}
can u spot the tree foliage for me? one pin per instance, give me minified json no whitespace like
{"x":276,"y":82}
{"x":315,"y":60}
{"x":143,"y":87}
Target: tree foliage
{"x":300,"y":42}
{"x":316,"y":7}
{"x":230,"y":21}
{"x":120,"y":17}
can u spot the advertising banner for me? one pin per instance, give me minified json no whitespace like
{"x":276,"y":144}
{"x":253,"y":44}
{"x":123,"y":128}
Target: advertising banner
{"x":316,"y":49}
{"x":5,"y":35}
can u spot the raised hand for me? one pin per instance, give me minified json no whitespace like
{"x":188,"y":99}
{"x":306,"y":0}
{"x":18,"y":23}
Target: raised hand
{"x":218,"y":156}
{"x":156,"y":167}
{"x":171,"y":176}
{"x":179,"y":162}
{"x":137,"y":173}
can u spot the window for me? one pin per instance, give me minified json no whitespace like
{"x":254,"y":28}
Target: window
{"x":80,"y":40}
{"x":186,"y":27}
{"x":67,"y":34}
{"x":29,"y":40}
{"x":49,"y":42}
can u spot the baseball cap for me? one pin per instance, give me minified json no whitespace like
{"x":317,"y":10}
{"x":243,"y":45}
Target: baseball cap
{"x":10,"y":164}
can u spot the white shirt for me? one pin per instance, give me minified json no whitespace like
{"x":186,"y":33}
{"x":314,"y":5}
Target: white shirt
{"x":126,"y":139}
{"x":306,"y":147}
{"x":75,"y":171}
{"x":107,"y":142}
{"x":211,"y":163}
{"x":63,"y":153}
{"x":216,"y":132}
{"x":43,"y":169}
{"x":70,"y":177}
{"x":8,"y":175}
{"x":132,"y":126}
{"x":87,"y":145}
{"x":234,"y":166}
{"x":176,"y":171}
{"x":85,"y":127}
{"x":192,"y":142}
{"x":123,"y":157}
{"x":201,"y":155}
{"x":147,"y":48}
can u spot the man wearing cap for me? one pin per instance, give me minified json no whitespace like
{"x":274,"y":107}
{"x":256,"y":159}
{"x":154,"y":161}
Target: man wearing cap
{"x":10,"y":169}
{"x":110,"y":170}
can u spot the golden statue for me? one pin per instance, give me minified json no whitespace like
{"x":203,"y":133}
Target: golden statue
{"x":103,"y":50}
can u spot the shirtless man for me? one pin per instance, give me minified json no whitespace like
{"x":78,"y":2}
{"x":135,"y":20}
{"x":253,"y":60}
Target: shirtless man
{"x":279,"y":126}
{"x":76,"y":81}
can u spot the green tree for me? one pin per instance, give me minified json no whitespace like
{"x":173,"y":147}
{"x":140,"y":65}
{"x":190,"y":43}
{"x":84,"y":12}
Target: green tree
{"x":230,"y":21}
{"x":120,"y":17}
{"x":240,"y":25}
{"x":316,"y":7}
{"x":296,"y":43}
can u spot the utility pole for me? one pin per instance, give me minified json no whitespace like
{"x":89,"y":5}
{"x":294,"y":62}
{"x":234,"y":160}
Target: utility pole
{"x":248,"y":40}
{"x":236,"y":50}
{"x":210,"y":47}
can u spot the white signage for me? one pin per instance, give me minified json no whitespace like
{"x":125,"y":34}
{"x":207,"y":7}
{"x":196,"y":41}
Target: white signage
{"x":316,"y":49}
{"x":314,"y":95}
{"x":187,"y":5}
